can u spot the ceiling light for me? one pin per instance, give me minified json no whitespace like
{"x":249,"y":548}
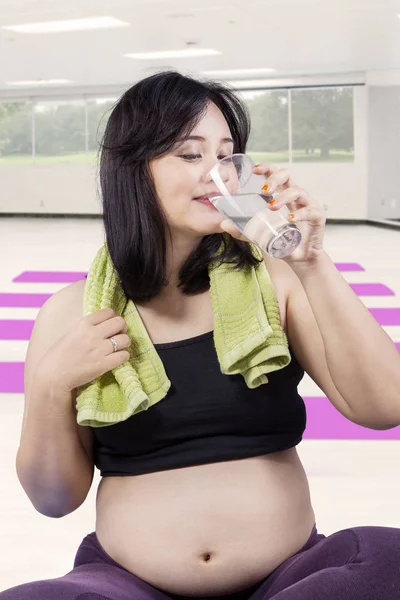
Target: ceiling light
{"x":39,"y":82}
{"x":238,"y":72}
{"x":174,"y":53}
{"x":70,"y":25}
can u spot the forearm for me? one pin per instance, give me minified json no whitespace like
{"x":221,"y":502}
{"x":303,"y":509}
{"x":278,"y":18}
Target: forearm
{"x":51,"y":455}
{"x":362,"y":359}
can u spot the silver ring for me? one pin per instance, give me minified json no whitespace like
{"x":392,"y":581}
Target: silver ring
{"x":115,"y":344}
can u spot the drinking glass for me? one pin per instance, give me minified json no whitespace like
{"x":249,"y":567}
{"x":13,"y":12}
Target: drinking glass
{"x":242,"y":200}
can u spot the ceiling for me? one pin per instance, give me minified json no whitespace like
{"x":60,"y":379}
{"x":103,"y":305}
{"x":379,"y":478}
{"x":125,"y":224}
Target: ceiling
{"x":295,"y":37}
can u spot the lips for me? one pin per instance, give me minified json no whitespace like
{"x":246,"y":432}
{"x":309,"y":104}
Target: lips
{"x":204,"y":200}
{"x":206,"y":197}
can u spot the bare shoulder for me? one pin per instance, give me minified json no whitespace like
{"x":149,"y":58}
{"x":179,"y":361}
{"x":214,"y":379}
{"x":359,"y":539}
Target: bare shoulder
{"x":56,"y":317}
{"x":70,"y":298}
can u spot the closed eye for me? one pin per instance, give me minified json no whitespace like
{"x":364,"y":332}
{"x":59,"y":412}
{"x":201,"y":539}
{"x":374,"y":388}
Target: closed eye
{"x":190,"y":156}
{"x":196,"y":156}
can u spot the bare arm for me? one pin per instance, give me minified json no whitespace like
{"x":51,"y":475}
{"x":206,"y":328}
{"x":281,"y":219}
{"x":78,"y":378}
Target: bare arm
{"x":54,"y":461}
{"x":52,"y":465}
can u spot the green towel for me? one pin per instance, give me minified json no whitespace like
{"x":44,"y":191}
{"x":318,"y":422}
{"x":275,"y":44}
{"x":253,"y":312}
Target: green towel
{"x":248,"y":339}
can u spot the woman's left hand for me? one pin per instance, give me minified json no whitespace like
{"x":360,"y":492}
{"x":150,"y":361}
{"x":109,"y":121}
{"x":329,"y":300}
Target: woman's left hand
{"x":307,"y":213}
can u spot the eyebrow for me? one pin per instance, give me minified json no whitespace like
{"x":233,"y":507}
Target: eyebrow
{"x":199,"y":138}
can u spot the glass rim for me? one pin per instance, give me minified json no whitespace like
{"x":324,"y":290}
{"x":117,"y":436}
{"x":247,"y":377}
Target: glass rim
{"x":214,"y":171}
{"x":236,"y":154}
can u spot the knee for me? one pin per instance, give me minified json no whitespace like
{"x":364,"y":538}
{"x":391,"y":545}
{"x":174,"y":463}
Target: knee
{"x":378,"y":544}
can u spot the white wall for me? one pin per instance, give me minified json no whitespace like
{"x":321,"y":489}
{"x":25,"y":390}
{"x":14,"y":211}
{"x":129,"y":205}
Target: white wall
{"x":58,"y":189}
{"x":383,"y":179}
{"x":67,"y":189}
{"x":384,"y":152}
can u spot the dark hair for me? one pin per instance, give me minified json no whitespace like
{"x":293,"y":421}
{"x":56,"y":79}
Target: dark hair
{"x":144,"y":124}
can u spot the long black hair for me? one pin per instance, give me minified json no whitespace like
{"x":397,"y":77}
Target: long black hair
{"x":144,"y":124}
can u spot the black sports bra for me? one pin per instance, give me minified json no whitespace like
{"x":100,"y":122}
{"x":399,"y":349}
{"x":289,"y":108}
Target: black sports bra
{"x":206,"y":416}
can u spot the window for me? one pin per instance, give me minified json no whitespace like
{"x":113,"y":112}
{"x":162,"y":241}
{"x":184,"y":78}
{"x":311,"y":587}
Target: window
{"x":15,"y":133}
{"x":98,"y":111}
{"x":60,"y":131}
{"x":69,"y":131}
{"x":269,"y":140}
{"x":322,"y":124}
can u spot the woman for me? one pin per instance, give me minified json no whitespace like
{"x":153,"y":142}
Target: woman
{"x":224,"y":518}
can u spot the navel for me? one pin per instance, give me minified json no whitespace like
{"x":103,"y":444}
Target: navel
{"x":206,"y":557}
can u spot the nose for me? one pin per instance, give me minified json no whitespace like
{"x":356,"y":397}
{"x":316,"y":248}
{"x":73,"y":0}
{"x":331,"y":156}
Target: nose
{"x":223,"y":172}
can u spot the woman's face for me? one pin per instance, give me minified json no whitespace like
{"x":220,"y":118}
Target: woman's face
{"x":181,"y":176}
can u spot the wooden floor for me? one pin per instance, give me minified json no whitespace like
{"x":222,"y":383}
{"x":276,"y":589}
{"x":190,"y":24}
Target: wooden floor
{"x":352,"y":482}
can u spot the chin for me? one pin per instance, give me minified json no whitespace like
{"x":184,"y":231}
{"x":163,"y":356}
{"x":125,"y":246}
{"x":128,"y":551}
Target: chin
{"x":208,"y":228}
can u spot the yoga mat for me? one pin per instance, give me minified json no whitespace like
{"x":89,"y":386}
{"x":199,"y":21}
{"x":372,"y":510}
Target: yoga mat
{"x":49,"y":277}
{"x":23,"y":300}
{"x":349,"y":267}
{"x":325,"y":422}
{"x":386,"y":316}
{"x":71,"y":276}
{"x":12,"y":378}
{"x":16,"y":329}
{"x":371,"y":289}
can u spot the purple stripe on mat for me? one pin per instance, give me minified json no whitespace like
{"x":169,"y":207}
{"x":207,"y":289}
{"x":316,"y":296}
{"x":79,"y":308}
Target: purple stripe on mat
{"x":386,"y":316}
{"x":324,"y":422}
{"x":16,"y":329}
{"x":25,"y":300}
{"x":49,"y":277}
{"x":371,"y":289}
{"x":349,"y":267}
{"x":12,"y":378}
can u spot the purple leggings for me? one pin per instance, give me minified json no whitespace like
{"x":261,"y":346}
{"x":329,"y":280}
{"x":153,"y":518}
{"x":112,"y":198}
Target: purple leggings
{"x":354,"y":564}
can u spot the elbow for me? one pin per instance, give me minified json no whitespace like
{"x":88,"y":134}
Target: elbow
{"x":55,"y":504}
{"x":53,"y":512}
{"x":386,"y":420}
{"x":377,"y":423}
{"x":54,"y":508}
{"x":385,"y":426}
{"x":49,"y":511}
{"x":46,"y":499}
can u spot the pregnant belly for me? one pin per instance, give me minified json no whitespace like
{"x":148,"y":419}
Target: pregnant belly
{"x":207,"y":530}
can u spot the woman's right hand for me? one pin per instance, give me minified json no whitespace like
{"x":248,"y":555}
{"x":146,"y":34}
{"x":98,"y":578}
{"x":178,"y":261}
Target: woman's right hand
{"x":86,"y":351}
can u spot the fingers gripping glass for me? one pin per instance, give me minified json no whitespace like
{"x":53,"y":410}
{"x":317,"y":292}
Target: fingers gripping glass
{"x":242,"y":200}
